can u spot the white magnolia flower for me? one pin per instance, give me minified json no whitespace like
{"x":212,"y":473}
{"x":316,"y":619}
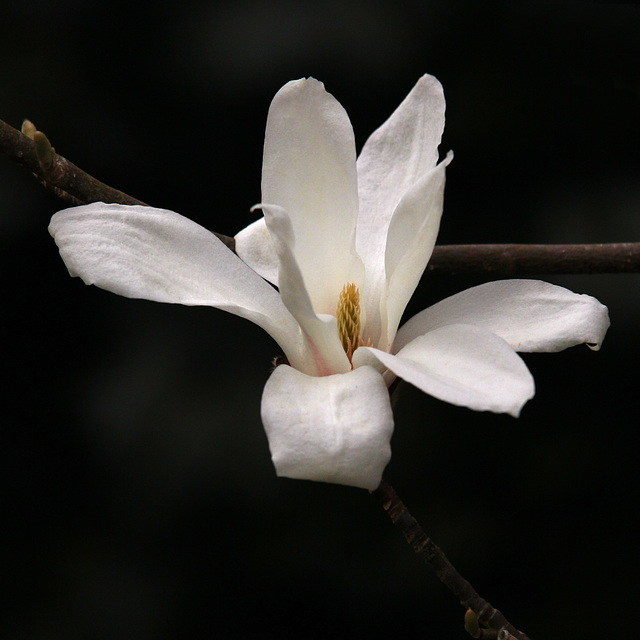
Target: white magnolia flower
{"x":346,"y":242}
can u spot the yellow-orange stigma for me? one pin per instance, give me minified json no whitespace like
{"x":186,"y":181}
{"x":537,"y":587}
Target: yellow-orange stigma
{"x":348,"y":315}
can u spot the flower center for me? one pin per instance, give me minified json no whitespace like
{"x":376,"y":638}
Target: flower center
{"x":348,"y":315}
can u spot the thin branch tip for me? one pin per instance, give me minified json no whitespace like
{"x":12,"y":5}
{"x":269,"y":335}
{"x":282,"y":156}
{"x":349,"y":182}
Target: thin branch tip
{"x":33,"y":150}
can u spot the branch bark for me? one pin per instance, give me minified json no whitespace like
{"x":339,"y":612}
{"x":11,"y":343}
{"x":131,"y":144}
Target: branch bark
{"x":535,"y":259}
{"x":64,"y":178}
{"x":75,"y":186}
{"x":55,"y":172}
{"x":488,"y":616}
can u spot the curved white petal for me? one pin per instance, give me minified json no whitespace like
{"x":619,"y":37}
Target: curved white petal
{"x":528,"y":314}
{"x":321,"y":331}
{"x":255,"y":247}
{"x":412,"y":236}
{"x":393,"y":159}
{"x":142,"y":252}
{"x":309,"y":170}
{"x":333,"y":429}
{"x":463,"y":365}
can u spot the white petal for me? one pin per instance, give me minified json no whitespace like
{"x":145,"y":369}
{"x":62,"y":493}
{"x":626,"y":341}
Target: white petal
{"x":309,"y":170}
{"x":255,"y":247}
{"x":396,"y":156}
{"x":529,"y":314}
{"x":142,"y":252}
{"x":321,"y":330}
{"x":333,"y":429}
{"x":393,"y":159}
{"x":412,"y":236}
{"x":463,"y":365}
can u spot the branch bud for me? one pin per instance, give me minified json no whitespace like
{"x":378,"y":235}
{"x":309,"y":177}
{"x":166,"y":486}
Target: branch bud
{"x":471,"y":625}
{"x":28,"y":129}
{"x":45,"y":152}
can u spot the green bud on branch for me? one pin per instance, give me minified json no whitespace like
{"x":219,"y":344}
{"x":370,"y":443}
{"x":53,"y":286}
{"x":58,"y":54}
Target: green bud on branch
{"x":45,"y":152}
{"x":471,"y":625}
{"x":28,"y":129}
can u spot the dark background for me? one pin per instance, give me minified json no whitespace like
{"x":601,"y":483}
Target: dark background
{"x":138,"y":499}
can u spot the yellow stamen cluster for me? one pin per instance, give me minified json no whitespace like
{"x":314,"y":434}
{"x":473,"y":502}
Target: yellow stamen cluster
{"x":348,"y":315}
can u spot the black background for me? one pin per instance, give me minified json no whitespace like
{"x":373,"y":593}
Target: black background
{"x":138,"y":498}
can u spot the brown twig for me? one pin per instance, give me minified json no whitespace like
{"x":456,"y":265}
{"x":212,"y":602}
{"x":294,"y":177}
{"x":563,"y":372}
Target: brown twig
{"x":531,"y":259}
{"x":491,"y":622}
{"x":64,"y":178}
{"x":75,"y":186}
{"x":54,"y":171}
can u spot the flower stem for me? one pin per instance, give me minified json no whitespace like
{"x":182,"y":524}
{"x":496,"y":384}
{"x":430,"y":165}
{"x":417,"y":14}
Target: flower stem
{"x":494,"y":623}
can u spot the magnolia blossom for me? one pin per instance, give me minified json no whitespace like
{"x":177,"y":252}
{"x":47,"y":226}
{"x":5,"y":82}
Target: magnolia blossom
{"x":345,"y":241}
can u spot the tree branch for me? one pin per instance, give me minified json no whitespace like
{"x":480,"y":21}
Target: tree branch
{"x":494,"y":624}
{"x":72,"y":184}
{"x":532,"y":259}
{"x":56,"y":173}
